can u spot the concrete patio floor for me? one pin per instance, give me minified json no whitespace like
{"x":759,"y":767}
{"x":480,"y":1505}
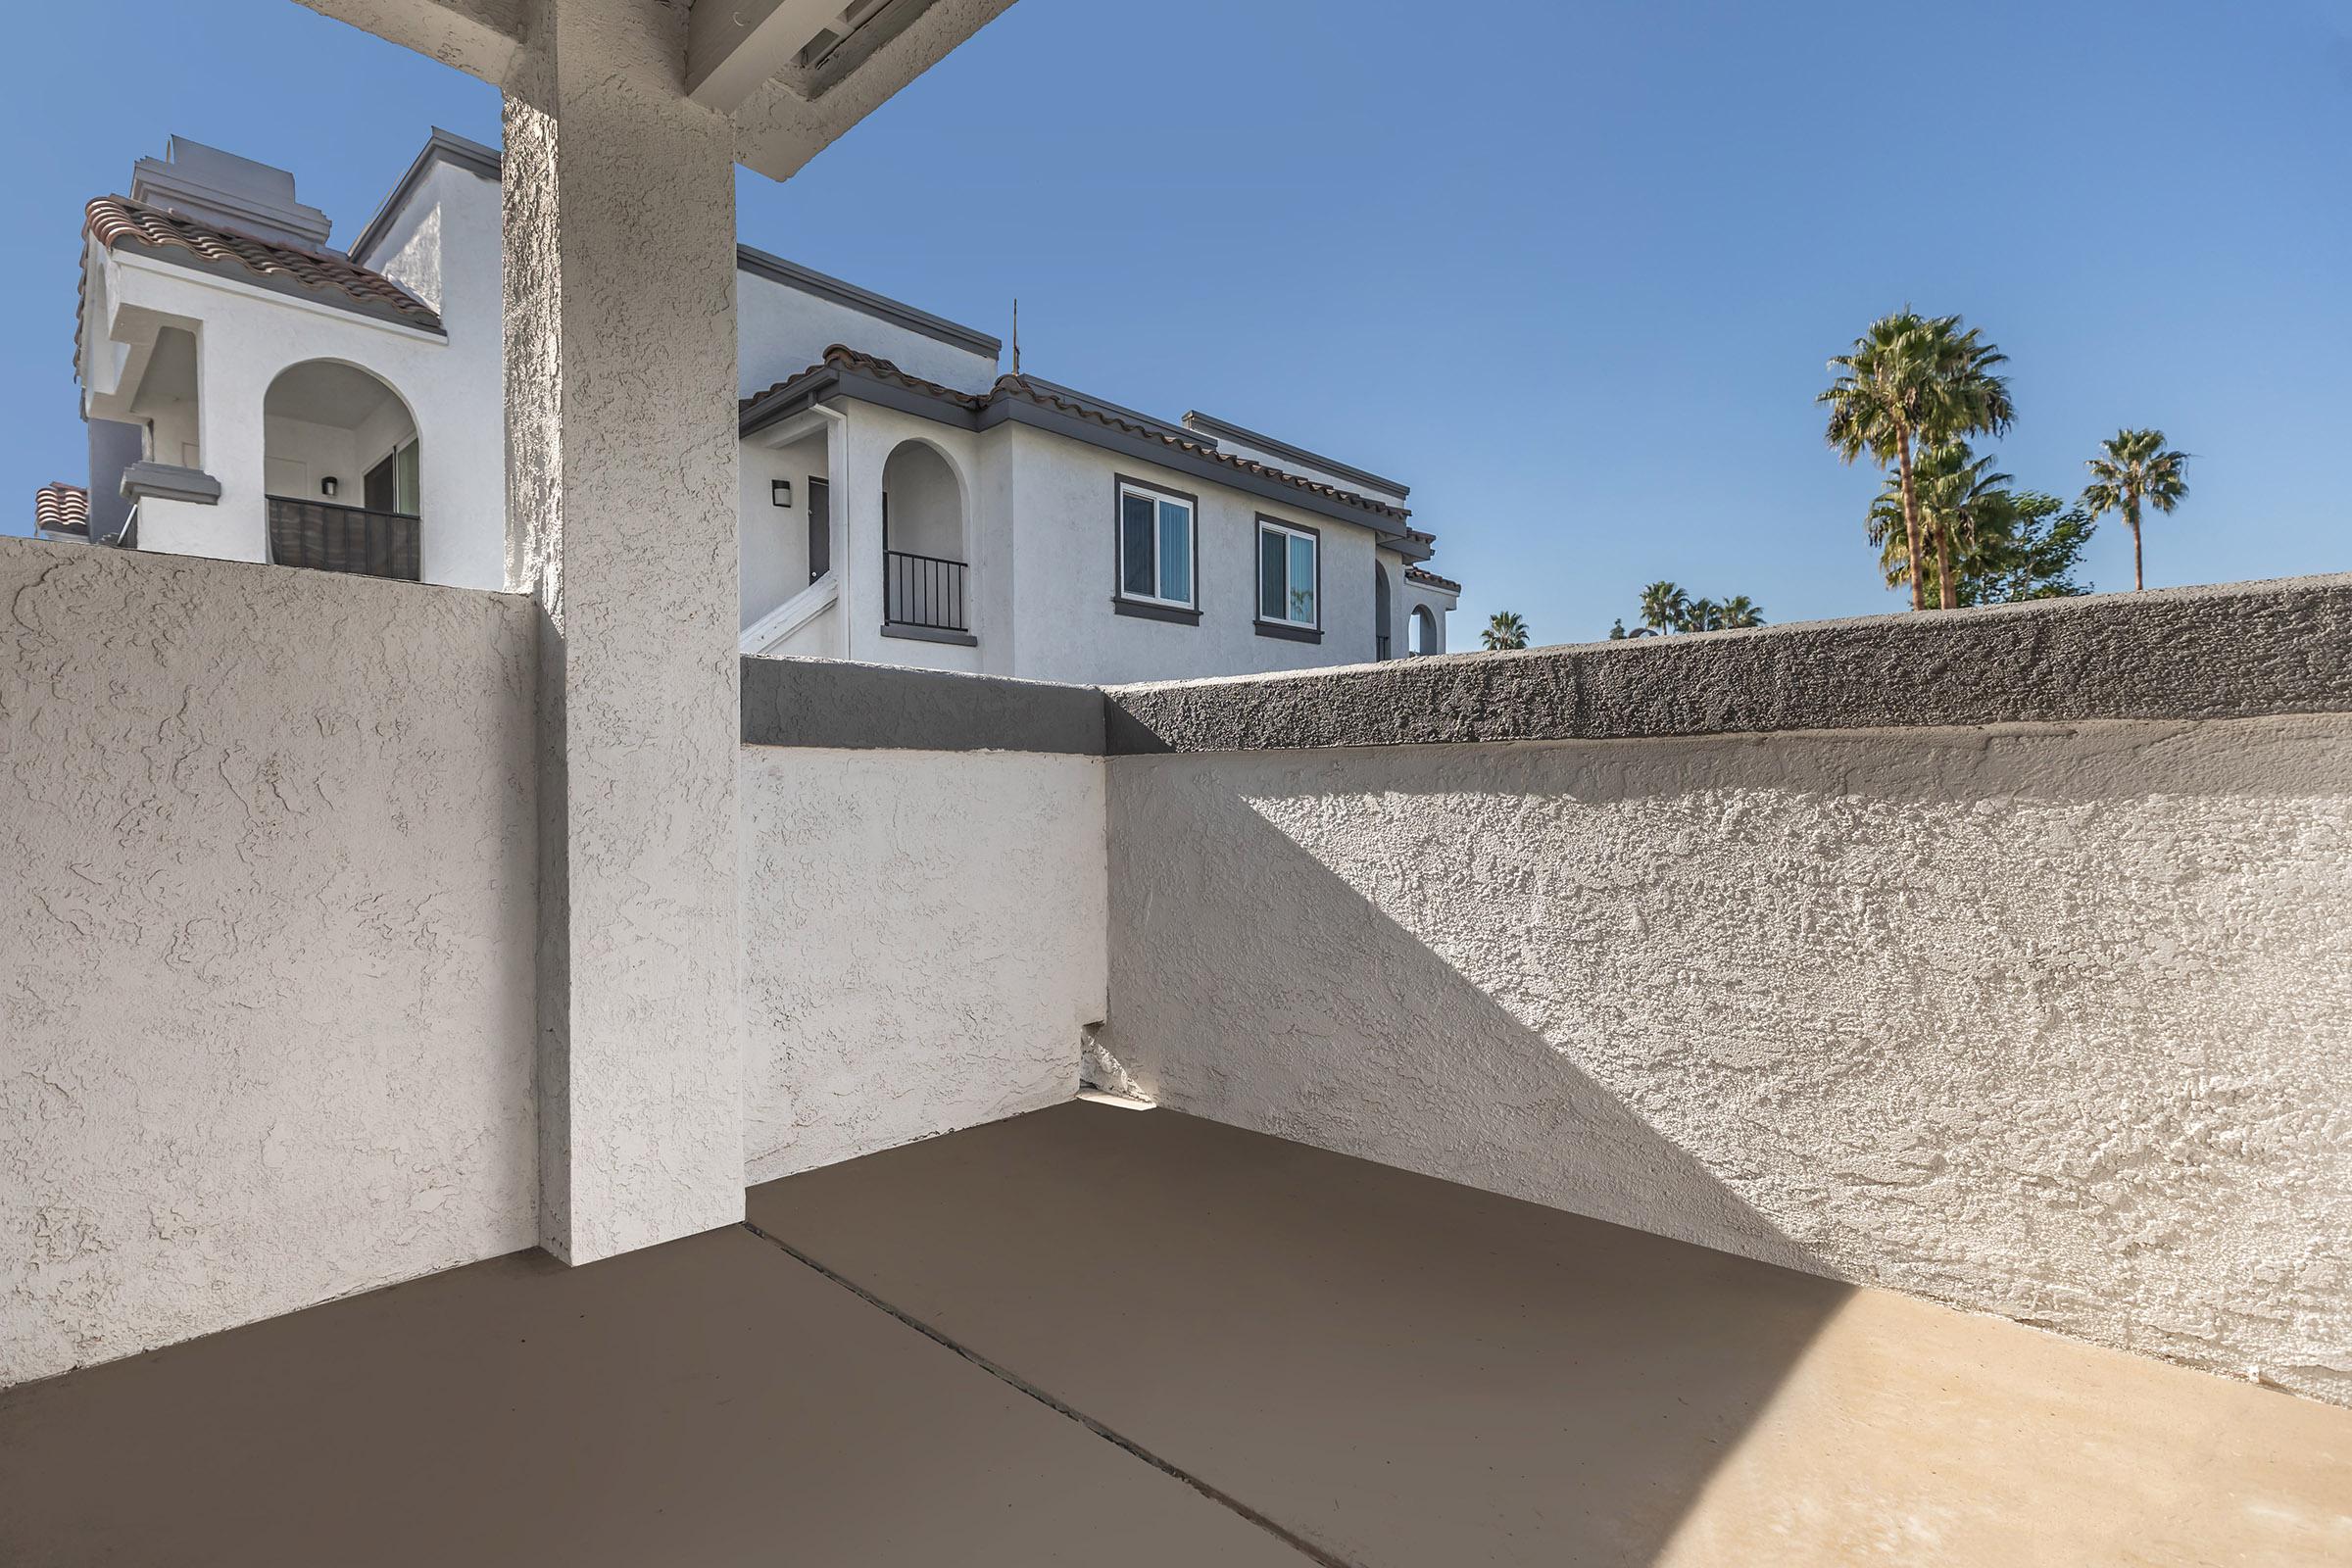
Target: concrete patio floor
{"x":1098,"y":1336}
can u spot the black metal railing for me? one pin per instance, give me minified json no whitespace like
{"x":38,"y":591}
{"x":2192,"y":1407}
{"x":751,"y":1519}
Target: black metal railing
{"x":325,"y":537}
{"x":926,"y":591}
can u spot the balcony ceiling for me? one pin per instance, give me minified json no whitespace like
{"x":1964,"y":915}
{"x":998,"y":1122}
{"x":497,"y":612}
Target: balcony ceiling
{"x":794,"y":74}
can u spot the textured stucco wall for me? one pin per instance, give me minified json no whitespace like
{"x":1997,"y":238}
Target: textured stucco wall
{"x":2049,"y":1022}
{"x":623,"y":499}
{"x":266,"y":924}
{"x":1062,"y":522}
{"x":923,"y":938}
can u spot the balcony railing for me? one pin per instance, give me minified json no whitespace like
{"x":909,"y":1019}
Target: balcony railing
{"x":925,"y":592}
{"x":325,"y":537}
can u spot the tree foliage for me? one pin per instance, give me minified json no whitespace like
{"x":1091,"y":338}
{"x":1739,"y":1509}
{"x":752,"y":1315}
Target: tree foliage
{"x":1504,"y":631}
{"x":2134,"y":469}
{"x":1910,"y":383}
{"x":1665,"y":609}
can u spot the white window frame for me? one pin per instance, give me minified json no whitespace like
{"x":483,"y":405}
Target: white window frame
{"x":1265,"y":526}
{"x":1191,"y":538}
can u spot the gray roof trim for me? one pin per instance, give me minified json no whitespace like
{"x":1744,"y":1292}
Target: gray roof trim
{"x":831,"y":703}
{"x":1209,"y":425}
{"x":827,"y":382}
{"x":489,"y":162}
{"x":334,"y":299}
{"x":2242,"y":651}
{"x":1175,"y":432}
{"x":1191,"y":463}
{"x":807,"y":279}
{"x":443,"y":145}
{"x":168,"y":482}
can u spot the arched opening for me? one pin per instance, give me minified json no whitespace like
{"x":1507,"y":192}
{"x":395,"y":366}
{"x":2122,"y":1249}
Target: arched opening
{"x":925,"y":559}
{"x":1425,"y":631}
{"x":1380,"y":610}
{"x":343,"y":473}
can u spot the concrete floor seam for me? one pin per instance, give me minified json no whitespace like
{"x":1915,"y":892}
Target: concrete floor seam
{"x":1020,"y":1384}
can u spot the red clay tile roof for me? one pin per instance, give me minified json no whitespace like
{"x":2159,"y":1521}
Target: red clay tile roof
{"x":115,"y":220}
{"x":1431,"y":579}
{"x":842,"y":357}
{"x":61,"y":507}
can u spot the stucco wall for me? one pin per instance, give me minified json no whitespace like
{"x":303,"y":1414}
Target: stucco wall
{"x":2048,"y":1022}
{"x":452,"y":384}
{"x":266,"y":926}
{"x":1062,"y":520}
{"x":923,"y":938}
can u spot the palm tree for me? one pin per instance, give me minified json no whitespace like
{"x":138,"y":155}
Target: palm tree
{"x":1702,"y":615}
{"x":1503,"y":632}
{"x":1737,"y":614}
{"x":1913,"y":381}
{"x":1664,"y":607}
{"x":1963,"y":508}
{"x":2135,"y":468}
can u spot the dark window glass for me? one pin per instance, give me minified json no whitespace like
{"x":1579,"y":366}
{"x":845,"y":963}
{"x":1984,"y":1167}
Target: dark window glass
{"x":1273,"y":585}
{"x":1136,"y":527}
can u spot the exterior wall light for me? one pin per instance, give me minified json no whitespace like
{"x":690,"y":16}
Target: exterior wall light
{"x":329,"y":485}
{"x":780,"y":492}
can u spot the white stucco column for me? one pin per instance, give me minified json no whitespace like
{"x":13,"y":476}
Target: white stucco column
{"x":621,"y":520}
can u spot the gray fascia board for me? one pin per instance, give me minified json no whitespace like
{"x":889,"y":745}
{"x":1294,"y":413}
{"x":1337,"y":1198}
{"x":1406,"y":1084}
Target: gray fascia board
{"x":1197,"y":423}
{"x":1193,"y":464}
{"x":167,"y":481}
{"x":2240,"y":651}
{"x":440,"y":146}
{"x":840,"y":384}
{"x":1148,"y":421}
{"x":809,"y":280}
{"x":334,"y":299}
{"x":834,"y":704}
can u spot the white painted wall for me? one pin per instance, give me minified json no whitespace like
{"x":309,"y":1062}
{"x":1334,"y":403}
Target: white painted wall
{"x":923,"y":939}
{"x":1062,"y":522}
{"x":2046,"y":1022}
{"x":773,"y":543}
{"x":247,"y":334}
{"x":265,"y":927}
{"x":785,"y":330}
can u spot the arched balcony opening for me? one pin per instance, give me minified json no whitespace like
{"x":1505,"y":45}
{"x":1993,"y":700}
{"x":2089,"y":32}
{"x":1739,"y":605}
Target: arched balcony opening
{"x":1380,"y":613}
{"x":343,"y":473}
{"x":1425,"y":632}
{"x":925,"y":554}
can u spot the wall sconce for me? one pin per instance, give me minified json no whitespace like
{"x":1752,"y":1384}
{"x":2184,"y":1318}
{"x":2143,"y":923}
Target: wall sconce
{"x":780,"y":492}
{"x":329,"y":485}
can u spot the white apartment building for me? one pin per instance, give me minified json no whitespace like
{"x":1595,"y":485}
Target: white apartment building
{"x":255,"y":395}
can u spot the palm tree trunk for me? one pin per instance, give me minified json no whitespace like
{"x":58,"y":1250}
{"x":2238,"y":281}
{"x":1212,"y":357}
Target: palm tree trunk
{"x":1948,"y":592}
{"x":2131,"y":517}
{"x":1919,"y":592}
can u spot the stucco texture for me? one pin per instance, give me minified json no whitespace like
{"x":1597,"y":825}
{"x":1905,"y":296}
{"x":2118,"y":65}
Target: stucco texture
{"x":622,"y":491}
{"x":2048,"y":1022}
{"x":923,"y":943}
{"x":265,"y":923}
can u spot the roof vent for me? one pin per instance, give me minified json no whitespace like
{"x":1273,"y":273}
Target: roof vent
{"x":210,"y":186}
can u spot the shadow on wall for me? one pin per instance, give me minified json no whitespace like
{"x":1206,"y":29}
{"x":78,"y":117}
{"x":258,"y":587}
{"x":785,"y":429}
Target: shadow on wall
{"x":2038,"y":1023}
{"x":1348,"y":1033}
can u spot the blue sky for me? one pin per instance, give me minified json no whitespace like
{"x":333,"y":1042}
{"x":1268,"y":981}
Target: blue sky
{"x":1577,"y":291}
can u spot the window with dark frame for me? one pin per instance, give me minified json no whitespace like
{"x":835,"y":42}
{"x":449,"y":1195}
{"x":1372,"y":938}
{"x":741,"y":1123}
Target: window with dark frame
{"x":1288,"y":575}
{"x":1155,"y":547}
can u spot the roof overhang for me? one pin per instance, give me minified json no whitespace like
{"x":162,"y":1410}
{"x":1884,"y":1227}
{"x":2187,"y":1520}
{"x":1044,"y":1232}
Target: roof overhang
{"x":832,"y":384}
{"x":793,"y":74}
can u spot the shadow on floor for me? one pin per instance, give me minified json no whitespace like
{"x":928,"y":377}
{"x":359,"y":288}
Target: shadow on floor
{"x":707,"y":1402}
{"x":1397,"y":1369}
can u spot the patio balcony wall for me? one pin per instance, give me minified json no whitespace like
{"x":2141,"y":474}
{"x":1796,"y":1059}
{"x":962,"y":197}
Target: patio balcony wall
{"x":1999,"y":957}
{"x":2002,"y":958}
